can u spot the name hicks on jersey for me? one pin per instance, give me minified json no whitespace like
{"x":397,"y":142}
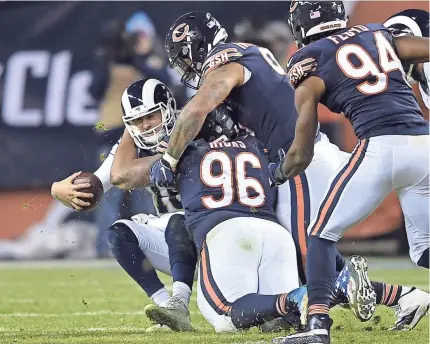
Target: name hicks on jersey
{"x":234,"y":144}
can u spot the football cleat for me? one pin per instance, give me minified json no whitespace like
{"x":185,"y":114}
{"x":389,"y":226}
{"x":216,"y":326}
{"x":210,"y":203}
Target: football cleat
{"x":360,"y":293}
{"x":411,"y":308}
{"x":316,"y":332}
{"x":174,"y":314}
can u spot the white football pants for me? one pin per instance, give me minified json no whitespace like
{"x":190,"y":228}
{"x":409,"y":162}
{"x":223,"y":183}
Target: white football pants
{"x":240,"y":256}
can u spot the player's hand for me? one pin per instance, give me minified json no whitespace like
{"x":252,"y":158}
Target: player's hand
{"x":67,"y":192}
{"x":277,"y":176}
{"x":162,"y":174}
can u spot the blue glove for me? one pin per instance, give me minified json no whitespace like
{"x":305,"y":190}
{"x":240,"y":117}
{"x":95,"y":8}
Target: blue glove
{"x":277,"y":176}
{"x":162,"y":174}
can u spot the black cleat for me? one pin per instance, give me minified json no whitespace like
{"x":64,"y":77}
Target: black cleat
{"x":316,"y":332}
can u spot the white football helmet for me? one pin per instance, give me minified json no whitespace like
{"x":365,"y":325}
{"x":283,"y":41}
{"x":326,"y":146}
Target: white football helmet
{"x":143,"y":98}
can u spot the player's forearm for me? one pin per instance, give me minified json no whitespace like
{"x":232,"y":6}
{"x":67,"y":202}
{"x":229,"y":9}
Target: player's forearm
{"x":187,"y":127}
{"x":412,"y":49}
{"x":214,"y":90}
{"x":133,"y":174}
{"x":301,"y":152}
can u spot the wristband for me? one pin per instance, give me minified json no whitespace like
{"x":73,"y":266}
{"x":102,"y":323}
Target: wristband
{"x":171,"y":160}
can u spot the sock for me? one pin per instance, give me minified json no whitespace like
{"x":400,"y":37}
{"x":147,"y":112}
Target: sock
{"x":182,"y":251}
{"x":388,"y":294}
{"x":340,"y":261}
{"x":182,"y":289}
{"x":424,"y":260}
{"x":125,"y":248}
{"x":161,"y":297}
{"x":256,"y":309}
{"x":320,"y":273}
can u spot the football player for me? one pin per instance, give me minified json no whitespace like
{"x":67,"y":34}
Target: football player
{"x":247,"y":270}
{"x":139,"y":245}
{"x":413,"y":22}
{"x":357,"y":72}
{"x":252,"y":82}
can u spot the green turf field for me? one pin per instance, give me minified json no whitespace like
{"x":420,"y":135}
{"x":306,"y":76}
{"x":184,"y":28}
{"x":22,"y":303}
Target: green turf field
{"x":103,"y":305}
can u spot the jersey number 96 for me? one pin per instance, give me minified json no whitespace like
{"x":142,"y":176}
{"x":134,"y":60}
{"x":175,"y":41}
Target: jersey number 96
{"x":232,"y":184}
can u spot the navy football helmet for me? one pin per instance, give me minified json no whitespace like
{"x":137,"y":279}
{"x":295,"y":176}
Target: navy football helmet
{"x":312,"y":20}
{"x":219,"y":125}
{"x":411,"y":22}
{"x":189,"y":40}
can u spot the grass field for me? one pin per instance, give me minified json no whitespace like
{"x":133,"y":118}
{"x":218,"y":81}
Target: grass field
{"x":78,"y":304}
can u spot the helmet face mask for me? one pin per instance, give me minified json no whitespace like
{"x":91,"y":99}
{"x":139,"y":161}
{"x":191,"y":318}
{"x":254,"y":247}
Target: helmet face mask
{"x":153,"y":100}
{"x":188,"y":43}
{"x":313,"y":20}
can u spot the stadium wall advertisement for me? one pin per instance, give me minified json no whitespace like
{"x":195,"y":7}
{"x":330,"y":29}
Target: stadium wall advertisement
{"x":47,"y":115}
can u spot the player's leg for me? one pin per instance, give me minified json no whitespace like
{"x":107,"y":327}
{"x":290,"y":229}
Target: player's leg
{"x":411,"y":168}
{"x":299,"y":199}
{"x":233,"y":281}
{"x":224,"y":278}
{"x":182,"y":257}
{"x":355,"y":191}
{"x":140,"y":249}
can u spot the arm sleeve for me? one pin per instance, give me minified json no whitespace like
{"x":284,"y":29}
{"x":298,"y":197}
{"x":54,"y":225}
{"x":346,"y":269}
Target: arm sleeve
{"x":221,"y":55}
{"x":103,"y":172}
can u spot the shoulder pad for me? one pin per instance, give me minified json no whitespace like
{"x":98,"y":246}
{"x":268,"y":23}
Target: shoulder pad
{"x":220,"y":55}
{"x":300,"y":65}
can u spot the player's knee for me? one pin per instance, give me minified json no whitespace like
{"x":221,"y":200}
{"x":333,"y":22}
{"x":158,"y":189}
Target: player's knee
{"x":424,"y":259}
{"x":181,"y":246}
{"x":118,"y":234}
{"x":224,"y":323}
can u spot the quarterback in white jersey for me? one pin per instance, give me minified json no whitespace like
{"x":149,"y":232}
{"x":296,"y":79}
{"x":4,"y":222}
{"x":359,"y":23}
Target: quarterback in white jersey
{"x":139,"y":245}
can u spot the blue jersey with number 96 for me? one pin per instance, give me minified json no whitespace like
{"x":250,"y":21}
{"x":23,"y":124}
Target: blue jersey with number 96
{"x":224,"y":180}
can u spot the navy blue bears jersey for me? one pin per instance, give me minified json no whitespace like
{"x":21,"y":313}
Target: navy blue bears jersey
{"x":364,"y":80}
{"x":264,"y":104}
{"x":165,"y":200}
{"x":220,"y":181}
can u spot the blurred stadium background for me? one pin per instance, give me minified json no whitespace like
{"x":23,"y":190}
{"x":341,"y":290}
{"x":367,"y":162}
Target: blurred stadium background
{"x":63,"y":66}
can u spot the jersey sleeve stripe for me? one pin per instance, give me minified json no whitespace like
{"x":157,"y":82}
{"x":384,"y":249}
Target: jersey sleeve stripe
{"x":220,"y":58}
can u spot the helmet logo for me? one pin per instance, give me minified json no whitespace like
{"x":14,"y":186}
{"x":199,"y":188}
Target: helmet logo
{"x":293,"y":5}
{"x":178,"y":35}
{"x":315,"y":14}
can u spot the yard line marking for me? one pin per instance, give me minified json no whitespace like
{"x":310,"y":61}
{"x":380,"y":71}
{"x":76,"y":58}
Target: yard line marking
{"x":55,"y":315}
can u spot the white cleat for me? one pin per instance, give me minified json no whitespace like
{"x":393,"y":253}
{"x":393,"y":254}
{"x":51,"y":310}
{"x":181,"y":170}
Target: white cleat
{"x":174,"y":314}
{"x":410,"y":309}
{"x":360,"y":293}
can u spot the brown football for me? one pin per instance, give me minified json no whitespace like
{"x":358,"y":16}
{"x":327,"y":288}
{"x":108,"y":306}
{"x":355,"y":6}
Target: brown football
{"x":96,"y":189}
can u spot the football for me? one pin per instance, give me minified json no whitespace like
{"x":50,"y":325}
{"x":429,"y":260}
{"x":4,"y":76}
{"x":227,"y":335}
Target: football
{"x":96,"y":189}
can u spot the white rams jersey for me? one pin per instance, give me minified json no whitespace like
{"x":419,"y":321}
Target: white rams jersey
{"x":165,"y":201}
